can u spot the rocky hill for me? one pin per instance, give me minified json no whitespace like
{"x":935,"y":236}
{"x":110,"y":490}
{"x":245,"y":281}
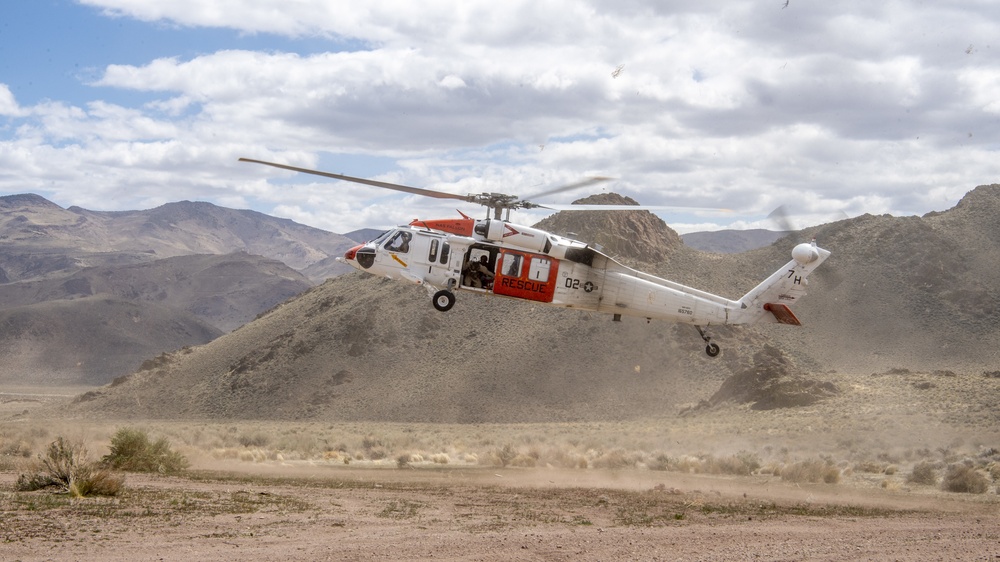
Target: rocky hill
{"x":225,"y":291}
{"x":182,"y":263}
{"x":904,"y":292}
{"x":631,"y":236}
{"x":81,"y":341}
{"x":41,"y":239}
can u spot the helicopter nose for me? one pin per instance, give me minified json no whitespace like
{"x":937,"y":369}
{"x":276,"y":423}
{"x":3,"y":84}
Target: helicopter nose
{"x":362,"y":256}
{"x":351,"y":254}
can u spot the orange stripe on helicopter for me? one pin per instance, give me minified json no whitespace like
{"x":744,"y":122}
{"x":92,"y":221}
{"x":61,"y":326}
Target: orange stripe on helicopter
{"x":401,"y":262}
{"x":461,"y":227}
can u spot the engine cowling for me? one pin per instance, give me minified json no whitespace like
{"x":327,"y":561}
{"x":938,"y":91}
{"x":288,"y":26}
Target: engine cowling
{"x":504,"y":232}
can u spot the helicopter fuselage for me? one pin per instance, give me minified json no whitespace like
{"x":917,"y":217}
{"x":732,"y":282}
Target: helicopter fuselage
{"x":500,"y":258}
{"x":497,"y":257}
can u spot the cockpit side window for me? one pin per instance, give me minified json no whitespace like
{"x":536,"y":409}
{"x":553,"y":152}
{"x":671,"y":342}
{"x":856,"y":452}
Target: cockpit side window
{"x":399,"y":243}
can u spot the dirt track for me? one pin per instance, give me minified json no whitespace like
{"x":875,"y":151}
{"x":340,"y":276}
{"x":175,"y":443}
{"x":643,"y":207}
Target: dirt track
{"x":309,"y":513}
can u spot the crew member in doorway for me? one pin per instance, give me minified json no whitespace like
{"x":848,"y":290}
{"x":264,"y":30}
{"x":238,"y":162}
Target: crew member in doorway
{"x":480,"y":275}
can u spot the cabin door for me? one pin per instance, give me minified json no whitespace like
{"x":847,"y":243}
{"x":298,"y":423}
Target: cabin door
{"x":526,"y":276}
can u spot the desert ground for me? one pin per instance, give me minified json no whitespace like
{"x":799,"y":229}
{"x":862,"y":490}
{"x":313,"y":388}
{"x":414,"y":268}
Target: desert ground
{"x":827,"y":482}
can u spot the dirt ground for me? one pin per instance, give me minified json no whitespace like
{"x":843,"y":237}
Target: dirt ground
{"x":277,"y":512}
{"x":307,"y":508}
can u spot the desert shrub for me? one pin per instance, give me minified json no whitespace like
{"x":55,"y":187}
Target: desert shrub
{"x":64,"y":466}
{"x":814,"y":470}
{"x":870,"y":467}
{"x":131,"y":450}
{"x":994,"y":469}
{"x":661,"y":461}
{"x":257,"y":439}
{"x":964,"y":479}
{"x":891,"y":484}
{"x":743,"y":463}
{"x":524,"y":461}
{"x":506,"y":454}
{"x":923,"y":473}
{"x":403,"y":460}
{"x":615,"y":459}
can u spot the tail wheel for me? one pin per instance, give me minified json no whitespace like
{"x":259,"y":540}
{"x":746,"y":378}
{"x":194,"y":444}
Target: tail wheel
{"x":712,"y":349}
{"x":443,"y":300}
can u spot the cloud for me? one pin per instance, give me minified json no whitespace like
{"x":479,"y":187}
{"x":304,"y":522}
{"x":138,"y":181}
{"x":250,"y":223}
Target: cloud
{"x":8,"y":105}
{"x":834,"y":106}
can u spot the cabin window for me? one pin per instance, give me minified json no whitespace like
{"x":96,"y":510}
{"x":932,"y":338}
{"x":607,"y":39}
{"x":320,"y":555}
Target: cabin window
{"x":511,"y":266}
{"x":445,"y":253}
{"x":539,"y":269}
{"x":433,"y":255}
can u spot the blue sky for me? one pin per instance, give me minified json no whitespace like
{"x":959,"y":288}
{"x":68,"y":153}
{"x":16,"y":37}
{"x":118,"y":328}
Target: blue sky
{"x":828,"y":108}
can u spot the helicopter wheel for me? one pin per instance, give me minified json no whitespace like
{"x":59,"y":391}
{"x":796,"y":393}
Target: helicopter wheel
{"x":443,"y":300}
{"x":712,"y":349}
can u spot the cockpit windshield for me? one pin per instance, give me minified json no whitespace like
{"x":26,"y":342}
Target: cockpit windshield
{"x":381,"y":237}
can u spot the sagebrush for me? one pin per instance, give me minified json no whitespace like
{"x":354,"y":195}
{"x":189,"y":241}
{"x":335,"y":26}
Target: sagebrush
{"x":65,"y":467}
{"x":132,"y":451}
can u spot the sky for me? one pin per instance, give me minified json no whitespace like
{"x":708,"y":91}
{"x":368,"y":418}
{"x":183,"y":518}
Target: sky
{"x":831,"y":109}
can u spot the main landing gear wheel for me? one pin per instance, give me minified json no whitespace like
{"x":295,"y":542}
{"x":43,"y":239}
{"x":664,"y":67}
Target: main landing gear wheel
{"x":712,"y":349}
{"x":443,"y":300}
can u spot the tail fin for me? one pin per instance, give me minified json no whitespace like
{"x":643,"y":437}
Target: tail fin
{"x":770,"y":301}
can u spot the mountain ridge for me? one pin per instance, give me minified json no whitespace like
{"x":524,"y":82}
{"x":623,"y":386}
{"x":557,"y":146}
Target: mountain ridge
{"x":364,"y":348}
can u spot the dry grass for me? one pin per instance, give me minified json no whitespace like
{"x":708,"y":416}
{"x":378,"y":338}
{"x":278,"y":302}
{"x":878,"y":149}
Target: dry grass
{"x":625,"y":446}
{"x":870,"y":434}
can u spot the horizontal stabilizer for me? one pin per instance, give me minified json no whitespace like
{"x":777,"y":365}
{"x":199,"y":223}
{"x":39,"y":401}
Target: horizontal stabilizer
{"x":782,"y":313}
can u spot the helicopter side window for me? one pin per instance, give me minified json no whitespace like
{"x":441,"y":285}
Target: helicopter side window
{"x":433,"y":254}
{"x":511,"y":266}
{"x":445,"y":252}
{"x":539,"y":269}
{"x":399,"y":243}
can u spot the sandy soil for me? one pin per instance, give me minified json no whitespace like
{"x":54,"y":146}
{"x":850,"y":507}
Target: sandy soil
{"x":321,"y":513}
{"x":305,"y":510}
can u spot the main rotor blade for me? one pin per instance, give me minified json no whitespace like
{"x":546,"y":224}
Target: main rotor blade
{"x":674,"y":208}
{"x":374,"y":183}
{"x":575,"y":185}
{"x":781,"y":218}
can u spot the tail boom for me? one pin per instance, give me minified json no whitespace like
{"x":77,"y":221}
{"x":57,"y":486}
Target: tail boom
{"x":770,"y":300}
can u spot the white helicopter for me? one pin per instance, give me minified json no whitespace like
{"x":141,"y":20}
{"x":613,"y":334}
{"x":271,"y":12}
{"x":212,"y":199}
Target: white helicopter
{"x":495,"y":256}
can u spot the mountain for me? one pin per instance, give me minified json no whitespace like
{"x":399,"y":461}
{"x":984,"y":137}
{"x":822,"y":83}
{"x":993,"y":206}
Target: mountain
{"x":199,"y":269}
{"x":81,"y":341}
{"x":898,"y":292}
{"x":638,"y":236}
{"x":363,"y":235}
{"x":41,"y":239}
{"x":225,"y":291}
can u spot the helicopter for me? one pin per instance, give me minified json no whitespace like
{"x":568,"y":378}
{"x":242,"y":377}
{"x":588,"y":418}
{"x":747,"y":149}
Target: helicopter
{"x":497,"y":257}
